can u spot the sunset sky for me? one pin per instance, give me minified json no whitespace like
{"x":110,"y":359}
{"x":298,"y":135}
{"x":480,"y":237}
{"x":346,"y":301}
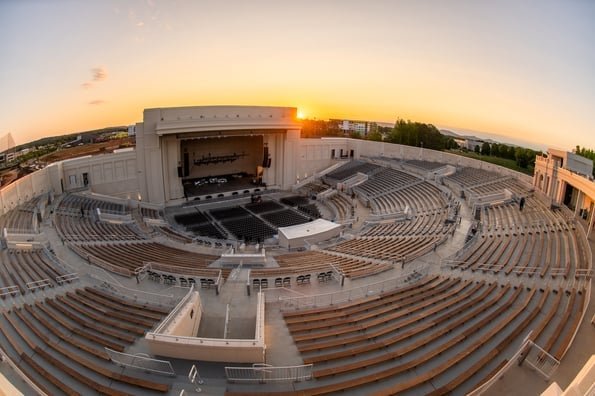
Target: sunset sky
{"x":523,"y":69}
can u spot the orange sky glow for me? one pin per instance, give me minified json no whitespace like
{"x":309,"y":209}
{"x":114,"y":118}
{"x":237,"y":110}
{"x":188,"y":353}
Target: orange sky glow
{"x":497,"y":67}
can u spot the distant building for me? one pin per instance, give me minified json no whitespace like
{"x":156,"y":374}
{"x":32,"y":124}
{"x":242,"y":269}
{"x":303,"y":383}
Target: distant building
{"x":357,"y":126}
{"x":468,"y":144}
{"x":6,"y":144}
{"x":131,"y":130}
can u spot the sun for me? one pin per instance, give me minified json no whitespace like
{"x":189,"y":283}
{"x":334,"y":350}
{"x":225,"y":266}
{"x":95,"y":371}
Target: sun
{"x":300,"y":114}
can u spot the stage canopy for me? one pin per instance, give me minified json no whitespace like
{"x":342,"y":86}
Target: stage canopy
{"x":313,"y":232}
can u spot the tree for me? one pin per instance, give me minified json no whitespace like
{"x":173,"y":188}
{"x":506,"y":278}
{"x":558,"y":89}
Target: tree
{"x":375,"y":136}
{"x":355,"y":135}
{"x":417,"y":134}
{"x":476,"y":149}
{"x":494,"y":150}
{"x":485,"y":148}
{"x":587,"y":153}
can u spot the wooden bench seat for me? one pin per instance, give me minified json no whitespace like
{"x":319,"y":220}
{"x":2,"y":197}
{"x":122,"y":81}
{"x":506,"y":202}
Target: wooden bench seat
{"x":120,"y":307}
{"x":559,"y":352}
{"x":548,"y":317}
{"x":351,"y":321}
{"x":99,"y":353}
{"x":111,"y":313}
{"x":392,"y":315}
{"x":302,"y":315}
{"x":89,"y":364}
{"x":491,"y":355}
{"x":31,"y":362}
{"x":397,"y":331}
{"x":417,"y":344}
{"x":100,"y":318}
{"x":129,"y":338}
{"x":561,"y":324}
{"x":428,"y":375}
{"x":78,"y":331}
{"x":37,"y":368}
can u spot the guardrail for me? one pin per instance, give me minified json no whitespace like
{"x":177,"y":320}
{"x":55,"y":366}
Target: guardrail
{"x":154,"y":298}
{"x":165,"y":322}
{"x":263,"y":373}
{"x":57,"y":260}
{"x":513,"y":360}
{"x":39,"y":284}
{"x":9,"y":290}
{"x":141,"y":362}
{"x":67,"y":278}
{"x":326,"y":299}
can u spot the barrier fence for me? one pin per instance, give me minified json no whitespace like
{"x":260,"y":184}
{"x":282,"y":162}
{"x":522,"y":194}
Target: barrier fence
{"x":263,"y":373}
{"x":141,"y":362}
{"x":326,"y":299}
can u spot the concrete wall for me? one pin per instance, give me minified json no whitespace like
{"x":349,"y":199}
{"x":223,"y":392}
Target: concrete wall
{"x":315,"y":155}
{"x":25,"y":189}
{"x":186,"y":321}
{"x":158,"y":142}
{"x":110,"y":174}
{"x":164,"y":342}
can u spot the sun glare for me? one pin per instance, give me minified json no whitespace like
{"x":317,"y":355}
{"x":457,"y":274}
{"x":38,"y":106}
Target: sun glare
{"x":300,"y":114}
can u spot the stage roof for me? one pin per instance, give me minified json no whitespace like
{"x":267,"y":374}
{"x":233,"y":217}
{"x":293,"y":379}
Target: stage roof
{"x":310,"y":229}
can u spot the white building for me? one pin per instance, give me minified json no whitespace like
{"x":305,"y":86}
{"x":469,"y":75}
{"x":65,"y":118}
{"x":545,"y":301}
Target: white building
{"x":351,"y":126}
{"x":566,"y":179}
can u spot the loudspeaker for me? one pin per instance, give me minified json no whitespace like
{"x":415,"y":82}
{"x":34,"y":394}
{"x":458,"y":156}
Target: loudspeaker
{"x":265,"y":157}
{"x":180,"y":171}
{"x":186,"y":164}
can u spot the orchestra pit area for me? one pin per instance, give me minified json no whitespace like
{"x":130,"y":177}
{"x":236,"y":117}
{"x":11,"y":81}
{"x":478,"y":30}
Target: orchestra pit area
{"x":428,"y":288}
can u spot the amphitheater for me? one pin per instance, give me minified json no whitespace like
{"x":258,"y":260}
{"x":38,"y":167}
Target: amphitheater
{"x":224,"y":254}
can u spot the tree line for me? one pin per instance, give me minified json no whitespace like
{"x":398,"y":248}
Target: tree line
{"x":587,"y":153}
{"x":419,"y":134}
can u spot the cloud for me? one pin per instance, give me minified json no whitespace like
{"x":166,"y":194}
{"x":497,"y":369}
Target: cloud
{"x":97,"y":102}
{"x":99,"y":73}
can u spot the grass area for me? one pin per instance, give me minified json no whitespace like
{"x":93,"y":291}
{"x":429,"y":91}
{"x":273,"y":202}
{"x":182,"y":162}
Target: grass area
{"x":507,"y":163}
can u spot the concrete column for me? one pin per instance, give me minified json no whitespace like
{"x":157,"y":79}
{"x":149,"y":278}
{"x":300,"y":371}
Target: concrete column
{"x":579,"y":203}
{"x":590,"y":227}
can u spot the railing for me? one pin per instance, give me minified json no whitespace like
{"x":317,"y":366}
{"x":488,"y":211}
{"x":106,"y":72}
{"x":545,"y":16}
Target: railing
{"x":141,"y":362}
{"x":67,"y":278}
{"x":165,"y":322}
{"x":39,"y":284}
{"x":273,"y":294}
{"x":115,"y":286}
{"x":21,"y":231}
{"x":263,"y":373}
{"x":8,"y":290}
{"x":585,"y":308}
{"x":338,"y":297}
{"x":259,"y":331}
{"x":538,"y":358}
{"x":465,"y":247}
{"x":513,"y":360}
{"x":219,"y":281}
{"x":57,"y":260}
{"x":109,"y":266}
